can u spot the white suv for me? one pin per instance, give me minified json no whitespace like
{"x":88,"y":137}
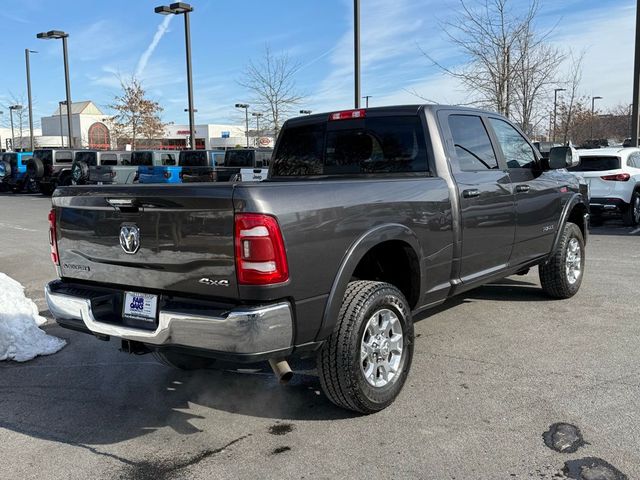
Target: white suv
{"x":613,"y":176}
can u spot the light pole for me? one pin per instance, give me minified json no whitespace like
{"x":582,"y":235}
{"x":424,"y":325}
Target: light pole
{"x":366,"y":98}
{"x":635,"y":120}
{"x":246,"y":119}
{"x":13,"y":137}
{"x":257,"y":115}
{"x":555,"y":109}
{"x":593,"y":112}
{"x":192,"y":141}
{"x":1,"y":113}
{"x":356,"y":50}
{"x":26,"y":58}
{"x":60,"y":104}
{"x":57,"y":34}
{"x":305,"y":112}
{"x":184,"y":9}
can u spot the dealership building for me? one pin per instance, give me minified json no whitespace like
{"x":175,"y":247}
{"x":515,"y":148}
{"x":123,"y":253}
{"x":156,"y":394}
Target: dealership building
{"x":93,"y":129}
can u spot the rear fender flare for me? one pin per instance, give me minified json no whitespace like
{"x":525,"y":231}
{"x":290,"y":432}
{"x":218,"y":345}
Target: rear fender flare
{"x":352,"y":257}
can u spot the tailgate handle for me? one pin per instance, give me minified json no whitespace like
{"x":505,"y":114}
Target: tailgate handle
{"x":123,"y":204}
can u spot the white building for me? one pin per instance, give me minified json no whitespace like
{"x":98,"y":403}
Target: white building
{"x":93,"y":129}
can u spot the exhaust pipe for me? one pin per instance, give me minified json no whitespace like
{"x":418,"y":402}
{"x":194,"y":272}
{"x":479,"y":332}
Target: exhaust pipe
{"x":282,"y":369}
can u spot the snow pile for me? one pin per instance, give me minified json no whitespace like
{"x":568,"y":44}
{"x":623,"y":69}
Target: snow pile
{"x":20,"y":337}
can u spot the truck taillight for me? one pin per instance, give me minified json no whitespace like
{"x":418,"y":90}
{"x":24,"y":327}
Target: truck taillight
{"x":53,"y":237}
{"x":260,"y":255}
{"x":348,"y":114}
{"x":620,"y":177}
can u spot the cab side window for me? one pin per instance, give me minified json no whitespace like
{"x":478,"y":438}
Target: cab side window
{"x":518,"y":153}
{"x":472,"y":143}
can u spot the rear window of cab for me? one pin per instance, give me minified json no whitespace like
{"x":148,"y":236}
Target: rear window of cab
{"x":362,"y":146}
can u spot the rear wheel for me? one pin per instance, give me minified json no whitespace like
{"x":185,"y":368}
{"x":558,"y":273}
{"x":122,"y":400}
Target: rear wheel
{"x":631,"y":215}
{"x":182,"y":361}
{"x":562,"y":275}
{"x":364,"y":363}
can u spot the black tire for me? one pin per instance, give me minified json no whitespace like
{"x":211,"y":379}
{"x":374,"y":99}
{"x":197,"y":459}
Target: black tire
{"x":35,"y":168}
{"x":182,"y":361}
{"x":79,"y":173}
{"x":339,"y":363}
{"x":555,"y":276}
{"x":631,"y":214}
{"x":65,"y":179}
{"x":32,"y":185}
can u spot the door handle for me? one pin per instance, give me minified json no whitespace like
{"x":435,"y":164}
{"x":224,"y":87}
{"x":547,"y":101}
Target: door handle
{"x":472,"y":193}
{"x":522,"y":188}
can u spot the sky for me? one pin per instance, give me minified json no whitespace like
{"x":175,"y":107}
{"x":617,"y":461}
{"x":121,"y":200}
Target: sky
{"x":116,"y":39}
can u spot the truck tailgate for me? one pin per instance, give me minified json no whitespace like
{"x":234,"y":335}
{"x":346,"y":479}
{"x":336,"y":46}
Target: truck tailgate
{"x":184,"y":233}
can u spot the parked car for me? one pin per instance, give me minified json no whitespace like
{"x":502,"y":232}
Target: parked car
{"x":156,"y":166}
{"x":200,"y":165}
{"x":51,"y":168}
{"x":102,"y":166}
{"x":613,"y":176}
{"x":238,"y":158}
{"x":13,"y":172}
{"x":368,"y":218}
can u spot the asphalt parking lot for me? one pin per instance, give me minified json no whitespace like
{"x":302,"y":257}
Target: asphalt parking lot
{"x":493,"y":371}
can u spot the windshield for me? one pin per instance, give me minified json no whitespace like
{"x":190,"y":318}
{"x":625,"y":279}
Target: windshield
{"x":597,"y":164}
{"x":142,"y":158}
{"x":239,"y":158}
{"x":193,"y":158}
{"x":352,"y":147}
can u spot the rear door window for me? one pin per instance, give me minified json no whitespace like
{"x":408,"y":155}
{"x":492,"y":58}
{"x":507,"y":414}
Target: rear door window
{"x":382,"y":145}
{"x":64,"y":157}
{"x":472,"y":143}
{"x":597,"y":164}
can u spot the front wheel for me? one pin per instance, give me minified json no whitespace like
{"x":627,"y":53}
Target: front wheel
{"x":561,"y":276}
{"x":364,"y":363}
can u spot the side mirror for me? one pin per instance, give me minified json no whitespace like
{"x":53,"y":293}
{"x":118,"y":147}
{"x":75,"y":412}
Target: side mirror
{"x":563,"y":157}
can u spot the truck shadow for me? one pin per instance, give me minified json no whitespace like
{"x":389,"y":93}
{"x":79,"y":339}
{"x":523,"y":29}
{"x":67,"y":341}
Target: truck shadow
{"x":91,"y":394}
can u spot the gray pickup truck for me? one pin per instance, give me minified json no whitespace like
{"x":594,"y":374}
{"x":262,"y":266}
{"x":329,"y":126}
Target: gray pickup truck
{"x":368,"y":217}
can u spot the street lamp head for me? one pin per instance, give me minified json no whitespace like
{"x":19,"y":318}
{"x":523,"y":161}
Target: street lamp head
{"x":242,"y":105}
{"x":163,"y":10}
{"x":181,"y":7}
{"x":305,"y":112}
{"x":597,"y":98}
{"x":52,"y":34}
{"x":15,"y":107}
{"x":560,"y":90}
{"x":257,"y":114}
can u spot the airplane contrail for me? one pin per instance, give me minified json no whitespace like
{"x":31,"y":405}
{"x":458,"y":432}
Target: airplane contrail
{"x":144,"y":58}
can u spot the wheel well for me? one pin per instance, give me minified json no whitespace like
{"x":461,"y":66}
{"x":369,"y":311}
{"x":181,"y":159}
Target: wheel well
{"x":576,"y":216}
{"x":394,"y":262}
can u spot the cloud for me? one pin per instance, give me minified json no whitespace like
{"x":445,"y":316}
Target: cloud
{"x":144,"y":58}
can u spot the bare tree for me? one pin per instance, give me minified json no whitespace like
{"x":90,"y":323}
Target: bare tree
{"x":508,"y":64}
{"x":20,"y":120}
{"x":271,"y":82}
{"x":136,"y":116}
{"x":572,"y":82}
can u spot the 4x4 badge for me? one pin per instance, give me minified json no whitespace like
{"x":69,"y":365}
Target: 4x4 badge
{"x":130,"y":238}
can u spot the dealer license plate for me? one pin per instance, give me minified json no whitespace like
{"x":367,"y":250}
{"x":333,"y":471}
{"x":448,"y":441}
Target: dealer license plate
{"x":140,"y":306}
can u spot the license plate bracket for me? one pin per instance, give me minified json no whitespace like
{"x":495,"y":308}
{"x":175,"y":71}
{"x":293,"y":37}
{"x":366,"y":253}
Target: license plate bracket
{"x":140,"y":307}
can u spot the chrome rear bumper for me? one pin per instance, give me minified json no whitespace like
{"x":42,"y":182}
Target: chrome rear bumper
{"x":246,"y":330}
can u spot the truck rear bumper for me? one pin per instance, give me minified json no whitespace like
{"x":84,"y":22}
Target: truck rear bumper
{"x":241,"y":331}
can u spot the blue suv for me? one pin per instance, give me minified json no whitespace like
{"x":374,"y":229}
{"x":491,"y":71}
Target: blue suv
{"x":13,"y":172}
{"x":156,"y":166}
